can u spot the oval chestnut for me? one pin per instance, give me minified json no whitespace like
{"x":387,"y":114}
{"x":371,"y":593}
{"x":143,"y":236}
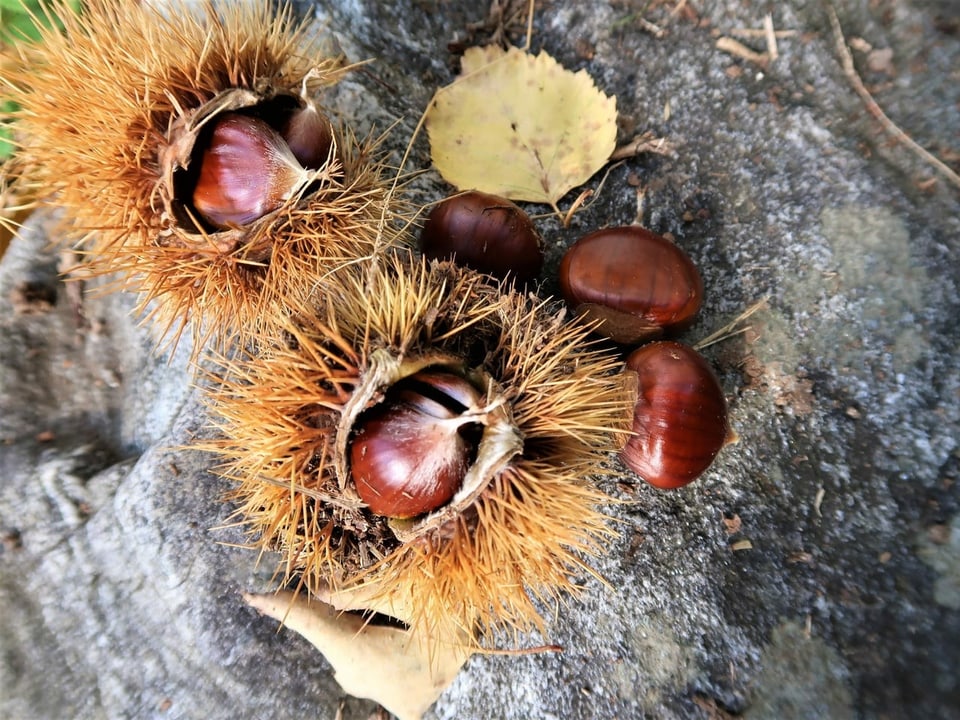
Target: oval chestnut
{"x":635,"y":282}
{"x":246,"y":171}
{"x":309,"y":136}
{"x":485,"y":232}
{"x":410,"y":453}
{"x":680,"y":417}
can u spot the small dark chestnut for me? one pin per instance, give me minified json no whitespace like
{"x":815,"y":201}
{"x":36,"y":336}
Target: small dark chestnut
{"x":410,"y":453}
{"x":485,"y":232}
{"x":635,"y":282}
{"x":309,"y":136}
{"x":680,"y":417}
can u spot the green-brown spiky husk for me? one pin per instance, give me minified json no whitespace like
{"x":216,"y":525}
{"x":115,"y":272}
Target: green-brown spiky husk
{"x":100,"y":103}
{"x":529,"y":529}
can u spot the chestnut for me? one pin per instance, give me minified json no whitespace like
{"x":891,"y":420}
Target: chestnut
{"x":484,"y":232}
{"x":638,"y":284}
{"x":680,"y":417}
{"x":410,"y":453}
{"x":246,"y":171}
{"x":309,"y":136}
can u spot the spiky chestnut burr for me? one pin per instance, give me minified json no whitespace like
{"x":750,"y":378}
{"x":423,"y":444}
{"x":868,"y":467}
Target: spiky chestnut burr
{"x":549,"y":408}
{"x":117,"y":112}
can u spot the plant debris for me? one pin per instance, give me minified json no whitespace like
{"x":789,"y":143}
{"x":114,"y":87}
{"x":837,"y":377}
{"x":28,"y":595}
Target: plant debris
{"x":846,"y":59}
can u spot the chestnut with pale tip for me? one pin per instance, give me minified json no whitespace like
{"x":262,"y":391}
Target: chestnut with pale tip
{"x":484,"y":232}
{"x":410,"y":453}
{"x":638,"y":285}
{"x":246,"y":171}
{"x":680,"y":416}
{"x":309,"y":136}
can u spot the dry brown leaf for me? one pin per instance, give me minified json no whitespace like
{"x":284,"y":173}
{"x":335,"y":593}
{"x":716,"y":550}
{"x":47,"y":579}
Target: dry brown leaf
{"x":403,"y":670}
{"x":520,"y":126}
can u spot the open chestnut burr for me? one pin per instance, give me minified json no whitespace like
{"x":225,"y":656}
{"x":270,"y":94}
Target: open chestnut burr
{"x":229,"y":163}
{"x":502,"y":409}
{"x":189,"y":151}
{"x":636,"y":284}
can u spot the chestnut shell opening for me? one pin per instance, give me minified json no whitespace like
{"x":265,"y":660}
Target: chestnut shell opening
{"x":435,"y":395}
{"x":275,"y":112}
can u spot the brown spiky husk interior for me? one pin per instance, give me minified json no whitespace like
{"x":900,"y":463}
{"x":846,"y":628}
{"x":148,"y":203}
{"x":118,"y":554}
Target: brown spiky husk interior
{"x":531,"y":527}
{"x":99,"y":103}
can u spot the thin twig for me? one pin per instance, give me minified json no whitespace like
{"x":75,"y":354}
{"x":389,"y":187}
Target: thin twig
{"x":581,"y":198}
{"x":526,"y":45}
{"x":678,"y":8}
{"x":522,"y":651}
{"x":760,"y":33}
{"x":643,"y":143}
{"x":846,"y":59}
{"x":771,"y":37}
{"x":734,"y":47}
{"x":652,"y":28}
{"x":732,"y":328}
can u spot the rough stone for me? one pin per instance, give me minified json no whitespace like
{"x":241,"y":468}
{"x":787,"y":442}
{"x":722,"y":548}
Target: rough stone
{"x":120,"y":575}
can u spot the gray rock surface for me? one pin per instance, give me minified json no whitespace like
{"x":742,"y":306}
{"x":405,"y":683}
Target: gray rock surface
{"x":120,"y":581}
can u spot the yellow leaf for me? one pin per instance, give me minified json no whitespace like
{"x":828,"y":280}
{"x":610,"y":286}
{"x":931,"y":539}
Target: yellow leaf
{"x":520,"y":126}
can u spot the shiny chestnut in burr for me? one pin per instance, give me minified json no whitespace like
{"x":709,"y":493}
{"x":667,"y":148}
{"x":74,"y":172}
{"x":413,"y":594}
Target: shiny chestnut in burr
{"x":484,"y":232}
{"x":680,"y":417}
{"x":411,"y":452}
{"x":638,"y":284}
{"x":309,"y":136}
{"x":246,"y":172}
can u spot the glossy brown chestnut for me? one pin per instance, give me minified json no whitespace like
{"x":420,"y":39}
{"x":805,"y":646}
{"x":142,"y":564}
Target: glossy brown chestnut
{"x":484,"y":232}
{"x":246,"y":171}
{"x":680,"y":418}
{"x":637,"y":283}
{"x":410,"y":453}
{"x":309,"y":136}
